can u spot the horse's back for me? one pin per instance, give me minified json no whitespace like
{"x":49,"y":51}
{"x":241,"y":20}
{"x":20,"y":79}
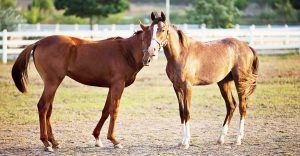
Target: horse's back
{"x":96,"y":63}
{"x":213,"y":61}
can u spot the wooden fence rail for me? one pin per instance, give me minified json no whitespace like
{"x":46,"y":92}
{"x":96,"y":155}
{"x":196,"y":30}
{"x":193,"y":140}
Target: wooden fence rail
{"x":261,"y":38}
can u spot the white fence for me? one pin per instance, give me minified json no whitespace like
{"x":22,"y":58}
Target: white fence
{"x":260,"y":37}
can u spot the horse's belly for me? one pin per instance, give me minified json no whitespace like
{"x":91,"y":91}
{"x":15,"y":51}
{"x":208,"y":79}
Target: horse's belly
{"x":206,"y":77}
{"x":92,"y":78}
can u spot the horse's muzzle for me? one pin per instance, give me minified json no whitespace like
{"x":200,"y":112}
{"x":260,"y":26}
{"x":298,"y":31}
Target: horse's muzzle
{"x":146,"y":62}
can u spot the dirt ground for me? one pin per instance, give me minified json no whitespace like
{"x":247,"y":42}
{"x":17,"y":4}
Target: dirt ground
{"x":271,"y":129}
{"x":159,"y":135}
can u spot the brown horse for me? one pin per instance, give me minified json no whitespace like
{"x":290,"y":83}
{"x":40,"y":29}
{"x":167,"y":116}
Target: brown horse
{"x":112,"y":63}
{"x":193,"y":62}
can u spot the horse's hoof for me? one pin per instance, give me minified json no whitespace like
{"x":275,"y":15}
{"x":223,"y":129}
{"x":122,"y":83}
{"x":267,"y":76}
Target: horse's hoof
{"x":49,"y":149}
{"x":56,"y":146}
{"x":179,"y":144}
{"x":220,"y":142}
{"x":118,"y":146}
{"x":238,"y":142}
{"x":183,"y":146}
{"x":98,"y":143}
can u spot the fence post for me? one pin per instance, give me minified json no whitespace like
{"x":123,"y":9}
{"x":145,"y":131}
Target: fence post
{"x":57,"y":27}
{"x":38,"y":27}
{"x":113,"y":27}
{"x":252,"y":29}
{"x":76,"y":27}
{"x":287,"y":37}
{"x":269,"y":26}
{"x":19,"y":27}
{"x":237,"y":29}
{"x":95,"y":27}
{"x":203,"y":30}
{"x":131,"y":27}
{"x":185,"y":27}
{"x":4,"y":47}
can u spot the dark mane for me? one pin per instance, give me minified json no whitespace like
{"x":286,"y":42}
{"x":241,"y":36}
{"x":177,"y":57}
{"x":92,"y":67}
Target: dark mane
{"x":181,"y":35}
{"x":137,"y":32}
{"x":114,"y":38}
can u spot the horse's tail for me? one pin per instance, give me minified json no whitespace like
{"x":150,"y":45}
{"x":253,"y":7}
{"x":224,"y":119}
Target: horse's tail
{"x":19,"y":69}
{"x":249,"y":80}
{"x":255,"y":66}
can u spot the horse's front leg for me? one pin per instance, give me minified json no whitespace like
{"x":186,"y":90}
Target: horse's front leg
{"x":104,"y":116}
{"x":187,"y":90}
{"x":179,"y":95}
{"x":184,"y":98}
{"x":116,"y":93}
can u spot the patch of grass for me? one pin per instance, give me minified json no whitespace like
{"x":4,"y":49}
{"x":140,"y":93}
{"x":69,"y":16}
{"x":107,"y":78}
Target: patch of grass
{"x":277,"y":94}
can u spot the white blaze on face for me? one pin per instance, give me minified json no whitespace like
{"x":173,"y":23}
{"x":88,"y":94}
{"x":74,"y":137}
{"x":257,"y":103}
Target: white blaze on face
{"x":154,"y":46}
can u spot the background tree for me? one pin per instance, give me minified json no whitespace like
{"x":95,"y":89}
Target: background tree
{"x":38,"y":11}
{"x":9,"y":15}
{"x":4,"y":4}
{"x":91,"y":8}
{"x":285,"y":9}
{"x":214,"y":13}
{"x":241,"y":4}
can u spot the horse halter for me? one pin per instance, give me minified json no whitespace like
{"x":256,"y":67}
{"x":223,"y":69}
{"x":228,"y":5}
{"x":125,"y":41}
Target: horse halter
{"x":162,"y":44}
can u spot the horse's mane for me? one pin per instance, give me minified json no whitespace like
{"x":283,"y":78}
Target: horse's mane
{"x":181,"y":35}
{"x":137,"y":32}
{"x":114,"y":38}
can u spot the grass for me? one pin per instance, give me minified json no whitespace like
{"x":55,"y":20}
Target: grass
{"x":277,"y":94}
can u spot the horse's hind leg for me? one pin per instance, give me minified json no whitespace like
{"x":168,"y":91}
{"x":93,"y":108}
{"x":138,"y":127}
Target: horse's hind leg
{"x":44,"y":105}
{"x":49,"y":128}
{"x":225,"y":89}
{"x":240,"y":79}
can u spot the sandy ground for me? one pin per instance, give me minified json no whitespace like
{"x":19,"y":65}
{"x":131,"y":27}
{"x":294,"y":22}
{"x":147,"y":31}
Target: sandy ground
{"x":158,"y":134}
{"x":272,"y":128}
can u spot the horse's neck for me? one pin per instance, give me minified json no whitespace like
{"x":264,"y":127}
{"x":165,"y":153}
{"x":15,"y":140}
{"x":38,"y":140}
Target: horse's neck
{"x":174,"y":50}
{"x":134,"y":54}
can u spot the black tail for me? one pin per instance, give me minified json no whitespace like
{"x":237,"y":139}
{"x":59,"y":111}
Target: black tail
{"x":19,"y":70}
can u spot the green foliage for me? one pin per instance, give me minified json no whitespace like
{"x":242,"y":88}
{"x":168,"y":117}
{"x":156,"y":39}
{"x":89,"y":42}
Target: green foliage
{"x":241,"y":4}
{"x":4,"y":4}
{"x":10,"y":17}
{"x":177,"y":18}
{"x":296,"y":4}
{"x":214,"y":13}
{"x":34,"y":15}
{"x":67,"y":19}
{"x":42,"y":4}
{"x":90,"y":8}
{"x":38,"y":11}
{"x":268,"y":15}
{"x":285,"y":10}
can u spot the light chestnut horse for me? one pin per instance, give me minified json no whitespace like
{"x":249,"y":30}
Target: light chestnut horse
{"x":192,"y":63}
{"x":112,"y":63}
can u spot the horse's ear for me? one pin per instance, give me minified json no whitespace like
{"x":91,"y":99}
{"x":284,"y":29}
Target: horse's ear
{"x":152,"y":16}
{"x":163,"y":16}
{"x":143,"y":26}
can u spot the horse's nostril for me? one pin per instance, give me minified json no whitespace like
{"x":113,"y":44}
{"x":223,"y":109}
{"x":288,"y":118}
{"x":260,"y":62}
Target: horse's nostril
{"x":149,"y":60}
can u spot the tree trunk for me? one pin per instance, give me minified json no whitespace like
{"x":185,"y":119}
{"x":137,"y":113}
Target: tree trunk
{"x":91,"y":23}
